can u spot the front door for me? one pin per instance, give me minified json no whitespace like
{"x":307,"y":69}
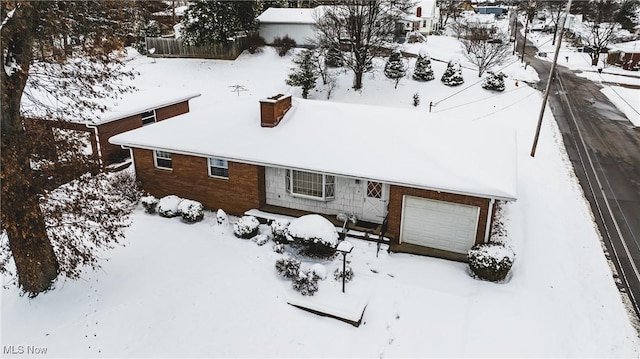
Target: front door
{"x":375,"y":201}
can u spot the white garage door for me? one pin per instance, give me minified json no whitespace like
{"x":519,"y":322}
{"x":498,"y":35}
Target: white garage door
{"x":436,"y":224}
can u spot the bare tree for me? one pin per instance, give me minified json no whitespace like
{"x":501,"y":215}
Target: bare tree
{"x":556,"y":9}
{"x":448,"y":8}
{"x":484,"y":48}
{"x":601,"y":17}
{"x":361,"y":27}
{"x":598,"y":38}
{"x":530,"y":8}
{"x":59,"y":61}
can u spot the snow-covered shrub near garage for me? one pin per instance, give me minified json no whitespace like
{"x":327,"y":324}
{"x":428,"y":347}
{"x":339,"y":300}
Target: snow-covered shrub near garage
{"x":168,"y":206}
{"x":150,"y":204}
{"x":191,"y":211}
{"x":306,"y":282}
{"x":491,"y":261}
{"x":314,"y":235}
{"x":246,"y":227}
{"x":279,"y":230}
{"x":288,"y":267}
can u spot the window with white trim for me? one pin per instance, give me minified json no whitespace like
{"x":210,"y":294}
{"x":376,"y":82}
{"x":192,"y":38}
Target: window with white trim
{"x":148,"y":117}
{"x":310,"y":184}
{"x":162,"y":160}
{"x":218,"y":167}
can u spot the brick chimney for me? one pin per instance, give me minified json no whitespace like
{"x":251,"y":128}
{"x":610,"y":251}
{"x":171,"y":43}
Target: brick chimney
{"x":272,"y":109}
{"x":419,"y":11}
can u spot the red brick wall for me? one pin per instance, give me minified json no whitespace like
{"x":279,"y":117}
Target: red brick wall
{"x":243,"y":190}
{"x":113,"y":153}
{"x":395,"y":207}
{"x":166,"y":112}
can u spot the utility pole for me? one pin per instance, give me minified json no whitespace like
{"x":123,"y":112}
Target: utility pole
{"x":549,"y":81}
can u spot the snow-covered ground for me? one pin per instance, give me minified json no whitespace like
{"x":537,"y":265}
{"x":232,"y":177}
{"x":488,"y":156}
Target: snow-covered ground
{"x":178,"y":290}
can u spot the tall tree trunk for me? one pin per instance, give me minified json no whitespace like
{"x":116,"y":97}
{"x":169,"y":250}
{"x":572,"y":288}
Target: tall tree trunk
{"x":21,"y":217}
{"x":357,"y":80}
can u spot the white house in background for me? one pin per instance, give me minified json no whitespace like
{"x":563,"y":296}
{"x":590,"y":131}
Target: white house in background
{"x":423,"y":18}
{"x":296,"y":23}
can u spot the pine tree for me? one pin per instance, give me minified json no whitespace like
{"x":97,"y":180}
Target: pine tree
{"x":395,"y":68}
{"x":494,"y":82}
{"x":452,"y":75}
{"x":423,"y":71}
{"x":306,"y":74}
{"x":208,"y":22}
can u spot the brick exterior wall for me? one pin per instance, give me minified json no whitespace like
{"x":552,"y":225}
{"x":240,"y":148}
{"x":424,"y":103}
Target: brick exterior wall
{"x":243,"y":190}
{"x":113,"y":153}
{"x":166,"y":112}
{"x":395,"y":208}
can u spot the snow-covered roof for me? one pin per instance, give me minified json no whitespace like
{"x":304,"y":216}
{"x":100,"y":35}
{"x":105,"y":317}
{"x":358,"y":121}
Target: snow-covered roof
{"x":428,"y":7}
{"x":180,"y":10}
{"x":631,"y":47}
{"x":291,"y":15}
{"x":141,"y":101}
{"x":398,"y":146}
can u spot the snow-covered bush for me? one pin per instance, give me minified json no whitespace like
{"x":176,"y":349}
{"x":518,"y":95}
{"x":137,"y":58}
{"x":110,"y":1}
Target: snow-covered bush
{"x":279,"y":230}
{"x":348,"y":274}
{"x":221,"y":217}
{"x":278,"y":248}
{"x":314,"y":235}
{"x":246,"y":227}
{"x":491,"y":261}
{"x":416,"y":99}
{"x":191,"y":211}
{"x":306,"y":282}
{"x":126,"y":185}
{"x":284,"y":44}
{"x":288,"y":267}
{"x":452,"y":75}
{"x":168,"y":206}
{"x":150,"y":204}
{"x":494,"y":82}
{"x":320,"y":271}
{"x":261,"y":239}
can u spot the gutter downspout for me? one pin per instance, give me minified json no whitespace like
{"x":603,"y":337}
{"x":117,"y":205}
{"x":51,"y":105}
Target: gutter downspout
{"x":487,"y":229}
{"x":99,"y":149}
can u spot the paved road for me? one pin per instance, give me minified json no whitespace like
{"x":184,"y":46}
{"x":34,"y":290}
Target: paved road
{"x":604,"y":149}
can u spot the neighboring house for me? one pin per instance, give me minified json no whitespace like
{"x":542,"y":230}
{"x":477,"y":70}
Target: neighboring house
{"x":424,"y":18}
{"x":493,"y":10}
{"x":296,"y":23}
{"x":625,"y":54}
{"x":435,"y":184}
{"x":131,"y":111}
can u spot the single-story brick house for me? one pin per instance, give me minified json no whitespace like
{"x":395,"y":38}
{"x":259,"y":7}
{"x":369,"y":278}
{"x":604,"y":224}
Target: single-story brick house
{"x":130,"y":111}
{"x":625,"y":54}
{"x":436,"y":184}
{"x":297,"y":23}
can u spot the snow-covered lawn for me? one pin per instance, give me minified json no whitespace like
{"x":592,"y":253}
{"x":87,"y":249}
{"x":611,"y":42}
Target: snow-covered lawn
{"x":178,"y":290}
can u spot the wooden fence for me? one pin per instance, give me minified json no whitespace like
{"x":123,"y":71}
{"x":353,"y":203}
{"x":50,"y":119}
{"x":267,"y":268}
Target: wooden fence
{"x":168,"y":47}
